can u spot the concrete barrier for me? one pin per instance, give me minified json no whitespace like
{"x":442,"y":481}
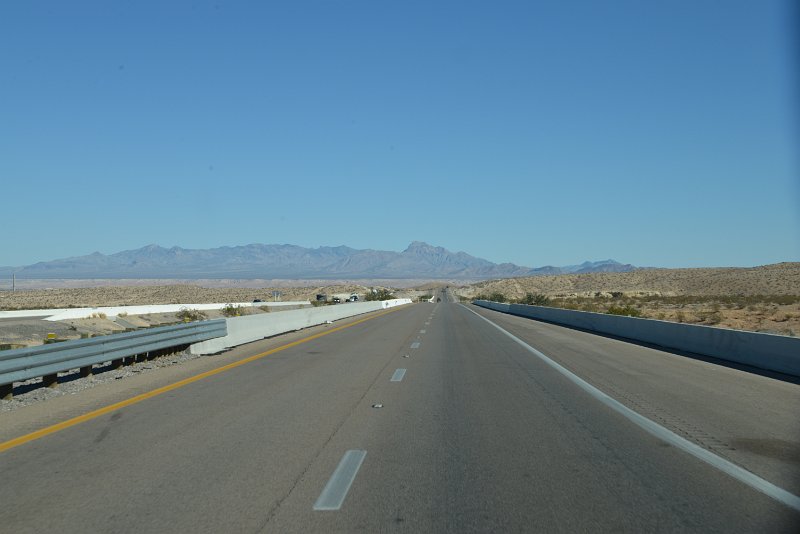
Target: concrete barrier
{"x":250,"y":328}
{"x":395,"y":302}
{"x":764,"y":351}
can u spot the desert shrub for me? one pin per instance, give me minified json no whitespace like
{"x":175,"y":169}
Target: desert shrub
{"x":497,"y":297}
{"x":230,"y":310}
{"x":379,"y":294}
{"x":535,"y":300}
{"x":785,"y":300}
{"x":187,"y":314}
{"x":628,"y":310}
{"x":709,"y":317}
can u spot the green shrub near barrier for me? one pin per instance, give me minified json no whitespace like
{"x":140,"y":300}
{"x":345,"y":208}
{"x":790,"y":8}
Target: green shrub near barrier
{"x":630,"y":311}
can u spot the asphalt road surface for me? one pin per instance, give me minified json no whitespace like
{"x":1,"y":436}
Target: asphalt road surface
{"x":425,"y":419}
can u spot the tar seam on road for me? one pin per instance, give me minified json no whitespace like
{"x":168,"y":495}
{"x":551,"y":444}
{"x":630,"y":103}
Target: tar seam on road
{"x":336,"y":489}
{"x":415,"y":345}
{"x":743,"y":475}
{"x":398,"y":375}
{"x":10,"y":444}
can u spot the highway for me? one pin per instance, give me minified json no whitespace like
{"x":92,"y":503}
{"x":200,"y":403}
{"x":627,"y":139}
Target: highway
{"x":426,"y":418}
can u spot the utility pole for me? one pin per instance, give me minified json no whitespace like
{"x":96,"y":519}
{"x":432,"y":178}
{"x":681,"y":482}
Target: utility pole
{"x":13,"y":282}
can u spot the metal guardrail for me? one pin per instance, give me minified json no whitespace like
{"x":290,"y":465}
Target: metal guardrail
{"x":47,"y":360}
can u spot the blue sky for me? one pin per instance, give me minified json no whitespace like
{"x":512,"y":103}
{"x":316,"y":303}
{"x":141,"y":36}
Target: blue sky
{"x":655,"y":133}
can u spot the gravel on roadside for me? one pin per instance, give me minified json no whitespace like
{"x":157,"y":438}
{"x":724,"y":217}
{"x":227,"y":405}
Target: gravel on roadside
{"x":71,"y":383}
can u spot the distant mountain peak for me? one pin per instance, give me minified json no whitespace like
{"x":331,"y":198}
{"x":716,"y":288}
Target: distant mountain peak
{"x":418,"y":260}
{"x":417,"y":246}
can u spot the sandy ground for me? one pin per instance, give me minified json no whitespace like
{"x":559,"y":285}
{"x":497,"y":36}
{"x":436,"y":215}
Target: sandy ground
{"x":777,"y":279}
{"x":760,"y":299}
{"x":27,"y":332}
{"x":765,"y":299}
{"x":17,"y":333}
{"x":258,"y":283}
{"x":103,"y":295}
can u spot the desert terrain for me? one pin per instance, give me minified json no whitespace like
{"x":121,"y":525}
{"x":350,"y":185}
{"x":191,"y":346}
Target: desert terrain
{"x":23,"y":332}
{"x":129,"y":295}
{"x":760,"y":299}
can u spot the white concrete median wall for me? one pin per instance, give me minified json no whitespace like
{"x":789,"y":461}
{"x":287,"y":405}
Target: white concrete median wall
{"x":764,"y":351}
{"x":250,"y":328}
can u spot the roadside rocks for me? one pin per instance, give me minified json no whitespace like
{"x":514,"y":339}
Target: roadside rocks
{"x":71,"y":383}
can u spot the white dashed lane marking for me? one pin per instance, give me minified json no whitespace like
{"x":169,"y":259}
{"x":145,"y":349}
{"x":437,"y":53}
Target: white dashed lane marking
{"x":336,"y":489}
{"x":398,"y":375}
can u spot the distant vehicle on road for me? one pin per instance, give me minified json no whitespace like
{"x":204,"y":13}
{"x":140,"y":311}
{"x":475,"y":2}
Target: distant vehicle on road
{"x":346,"y":297}
{"x":257,"y":300}
{"x":336,"y":300}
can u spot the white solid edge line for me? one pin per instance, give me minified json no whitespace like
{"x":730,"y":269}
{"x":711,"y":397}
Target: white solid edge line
{"x":398,"y":375}
{"x":739,"y":473}
{"x":338,"y":486}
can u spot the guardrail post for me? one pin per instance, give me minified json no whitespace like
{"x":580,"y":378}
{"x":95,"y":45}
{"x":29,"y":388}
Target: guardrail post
{"x":50,"y":381}
{"x":125,"y":349}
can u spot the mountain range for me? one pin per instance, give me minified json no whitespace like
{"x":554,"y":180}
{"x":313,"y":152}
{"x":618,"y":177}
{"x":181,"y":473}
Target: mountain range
{"x":420,"y":260}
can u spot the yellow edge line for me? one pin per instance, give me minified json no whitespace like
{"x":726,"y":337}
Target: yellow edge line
{"x":27,"y":438}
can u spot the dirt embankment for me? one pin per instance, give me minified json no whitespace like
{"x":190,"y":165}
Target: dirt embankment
{"x":759,"y":299}
{"x":777,"y":279}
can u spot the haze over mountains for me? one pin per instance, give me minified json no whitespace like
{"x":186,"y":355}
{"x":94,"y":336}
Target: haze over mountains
{"x":419,"y":260}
